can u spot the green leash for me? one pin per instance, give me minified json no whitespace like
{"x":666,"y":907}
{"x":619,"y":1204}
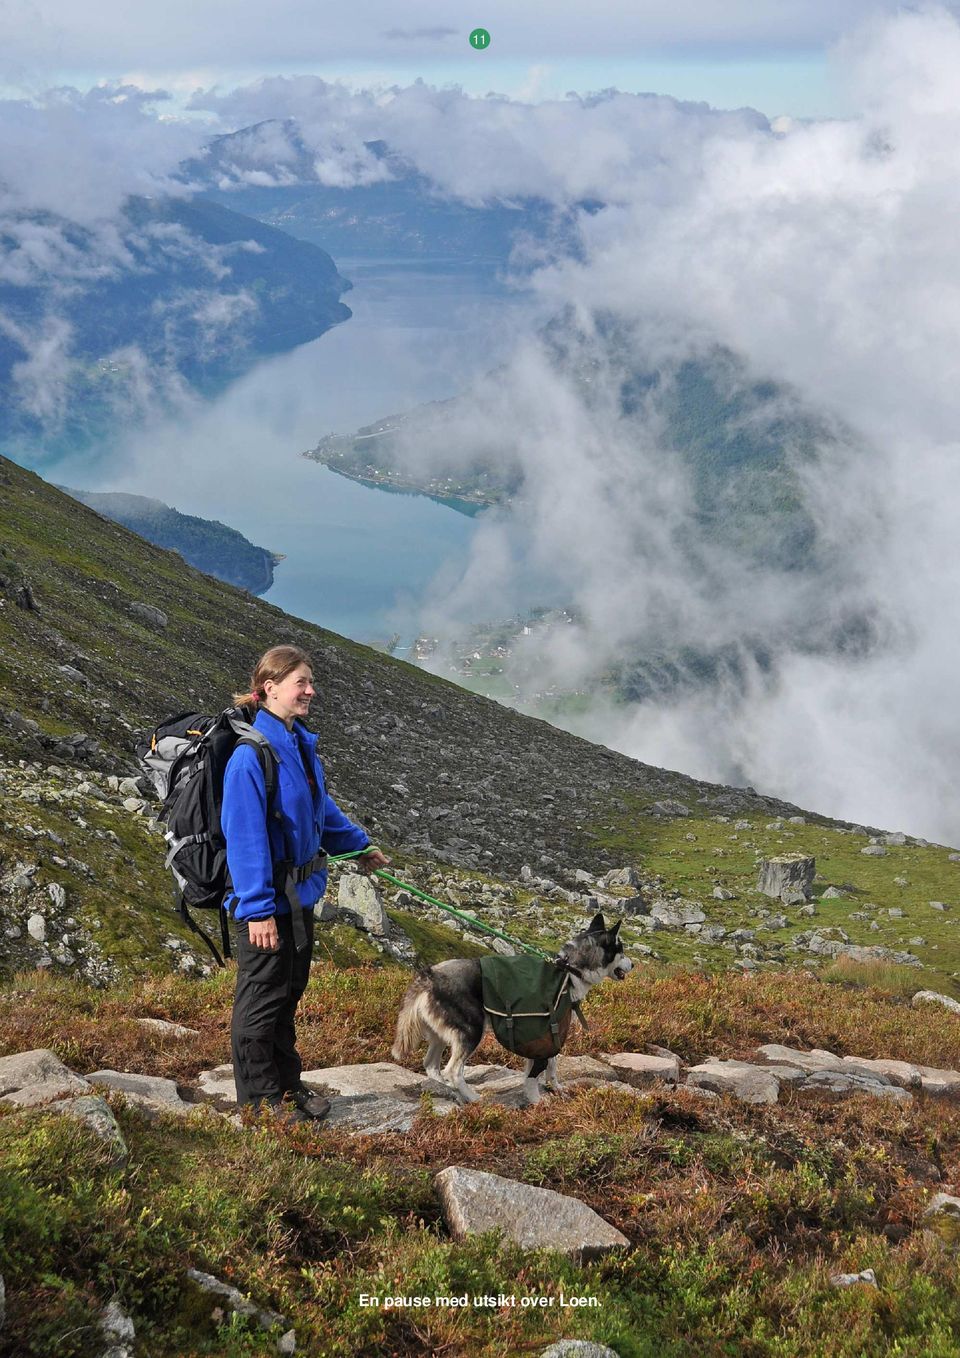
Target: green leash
{"x":471,"y":920}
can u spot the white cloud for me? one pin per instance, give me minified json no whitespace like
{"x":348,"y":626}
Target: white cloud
{"x":826,"y":257}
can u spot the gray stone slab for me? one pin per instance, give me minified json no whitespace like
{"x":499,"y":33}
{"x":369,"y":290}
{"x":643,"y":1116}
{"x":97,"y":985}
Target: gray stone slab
{"x":900,"y":1073}
{"x":748,"y":1083}
{"x":534,"y":1218}
{"x":371,"y":1077}
{"x":152,"y":1092}
{"x":842,"y":1083}
{"x":641,"y":1069}
{"x":167,"y":1029}
{"x":371,"y":1114}
{"x":37,"y":1077}
{"x":218,"y":1084}
{"x":772,"y":1053}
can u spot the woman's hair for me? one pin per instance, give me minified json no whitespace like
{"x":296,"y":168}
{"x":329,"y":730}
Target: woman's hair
{"x":274,"y":664}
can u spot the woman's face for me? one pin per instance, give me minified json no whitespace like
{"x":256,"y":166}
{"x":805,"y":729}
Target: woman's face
{"x":290,"y":697}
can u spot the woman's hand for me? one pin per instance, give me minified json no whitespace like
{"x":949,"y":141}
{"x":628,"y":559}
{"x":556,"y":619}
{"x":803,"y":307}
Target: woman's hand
{"x":371,"y":860}
{"x":263,"y":934}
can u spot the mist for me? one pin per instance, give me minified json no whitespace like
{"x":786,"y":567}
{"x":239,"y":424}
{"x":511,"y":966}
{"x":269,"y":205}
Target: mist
{"x":823,"y":255}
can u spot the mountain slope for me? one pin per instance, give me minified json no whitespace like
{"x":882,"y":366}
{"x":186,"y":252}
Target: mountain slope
{"x":207,"y":544}
{"x":182,"y":291}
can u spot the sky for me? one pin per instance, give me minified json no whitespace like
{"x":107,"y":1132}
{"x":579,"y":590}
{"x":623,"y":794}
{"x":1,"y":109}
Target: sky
{"x":770,"y":54}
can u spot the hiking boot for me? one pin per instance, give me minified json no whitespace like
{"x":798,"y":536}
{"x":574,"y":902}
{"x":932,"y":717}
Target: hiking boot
{"x":279,"y":1109}
{"x":313,"y":1105}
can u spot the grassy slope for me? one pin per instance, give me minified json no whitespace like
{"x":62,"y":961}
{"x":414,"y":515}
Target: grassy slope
{"x":735,"y":1215}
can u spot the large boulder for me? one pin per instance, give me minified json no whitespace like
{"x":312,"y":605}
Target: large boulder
{"x":37,"y":1077}
{"x":788,"y":877}
{"x":934,"y":997}
{"x":95,"y":1113}
{"x":534,"y":1218}
{"x":359,"y":896}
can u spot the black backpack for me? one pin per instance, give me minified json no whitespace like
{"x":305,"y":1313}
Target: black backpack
{"x":186,"y":759}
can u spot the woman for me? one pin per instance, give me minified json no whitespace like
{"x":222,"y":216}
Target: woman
{"x":274,"y":910}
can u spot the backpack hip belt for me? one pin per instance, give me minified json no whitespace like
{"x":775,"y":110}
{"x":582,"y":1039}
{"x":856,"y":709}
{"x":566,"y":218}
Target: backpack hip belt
{"x":288,"y":877}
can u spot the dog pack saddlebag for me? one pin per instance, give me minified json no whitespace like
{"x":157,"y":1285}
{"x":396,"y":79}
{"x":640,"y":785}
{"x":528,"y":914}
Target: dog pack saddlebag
{"x":528,"y":1003}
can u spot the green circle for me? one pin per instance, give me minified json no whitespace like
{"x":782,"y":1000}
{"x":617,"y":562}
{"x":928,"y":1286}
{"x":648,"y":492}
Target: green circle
{"x":479,"y":39}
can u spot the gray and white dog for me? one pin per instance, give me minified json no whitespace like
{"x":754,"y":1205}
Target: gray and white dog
{"x":443,"y":1007}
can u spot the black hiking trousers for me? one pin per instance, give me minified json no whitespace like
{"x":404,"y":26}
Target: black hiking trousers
{"x":266,"y":1063}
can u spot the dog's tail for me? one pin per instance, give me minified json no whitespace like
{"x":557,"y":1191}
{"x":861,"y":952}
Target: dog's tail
{"x":410,"y":1033}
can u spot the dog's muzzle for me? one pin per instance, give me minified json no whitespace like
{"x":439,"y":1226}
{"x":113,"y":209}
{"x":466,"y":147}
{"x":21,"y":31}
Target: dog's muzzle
{"x":623,"y":969}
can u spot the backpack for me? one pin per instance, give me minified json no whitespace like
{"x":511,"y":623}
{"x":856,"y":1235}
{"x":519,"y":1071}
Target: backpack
{"x":186,"y":759}
{"x":528,"y":1003}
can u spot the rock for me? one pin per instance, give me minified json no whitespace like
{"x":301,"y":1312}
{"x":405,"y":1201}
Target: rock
{"x":116,"y":1325}
{"x":749,"y":1084}
{"x":373,"y":1077}
{"x":359,"y":895}
{"x":811,"y":1061}
{"x":166,"y":1028}
{"x":578,"y":1348}
{"x":134,"y":804}
{"x":151,"y":1092}
{"x":942,"y":1216}
{"x":621,"y":877}
{"x":58,"y":897}
{"x":833,"y":893}
{"x":96,"y":1114}
{"x":900,"y":1073}
{"x":788,"y":877}
{"x":932,"y":997}
{"x":287,"y":1343}
{"x":534,"y":1218}
{"x":940,"y":1083}
{"x":641,"y":1070}
{"x":850,"y":1279}
{"x":874,"y":851}
{"x":722,"y":894}
{"x":895,"y":837}
{"x":37,"y":928}
{"x":945,"y":1203}
{"x":842,"y":1083}
{"x":937,"y":905}
{"x":218,"y":1084}
{"x":33,"y":1077}
{"x":669,"y":808}
{"x":573,"y":1068}
{"x":154,"y":617}
{"x":676,"y":914}
{"x":371,"y":1114}
{"x":235,"y":1299}
{"x":130,"y":787}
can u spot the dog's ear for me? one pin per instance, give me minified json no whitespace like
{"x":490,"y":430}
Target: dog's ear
{"x":597,"y":925}
{"x":615,"y":928}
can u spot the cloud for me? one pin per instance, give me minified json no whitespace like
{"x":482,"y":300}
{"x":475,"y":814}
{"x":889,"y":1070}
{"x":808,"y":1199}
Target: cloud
{"x":420,"y":34}
{"x":478,"y":151}
{"x":823,"y":256}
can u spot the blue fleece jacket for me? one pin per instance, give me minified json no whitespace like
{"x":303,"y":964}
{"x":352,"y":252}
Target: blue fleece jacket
{"x":311,"y":821}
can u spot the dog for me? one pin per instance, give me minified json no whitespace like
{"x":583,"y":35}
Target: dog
{"x":444,"y":1007}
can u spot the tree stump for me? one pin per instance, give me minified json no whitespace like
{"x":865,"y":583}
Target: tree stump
{"x":788,"y":877}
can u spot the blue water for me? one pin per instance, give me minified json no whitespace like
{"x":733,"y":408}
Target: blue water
{"x":357,"y":560}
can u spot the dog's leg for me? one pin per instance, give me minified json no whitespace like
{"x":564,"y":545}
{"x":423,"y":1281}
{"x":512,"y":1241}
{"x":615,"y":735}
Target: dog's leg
{"x":453,"y":1072}
{"x":431,"y":1063}
{"x":551,"y":1079}
{"x":531,"y":1086}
